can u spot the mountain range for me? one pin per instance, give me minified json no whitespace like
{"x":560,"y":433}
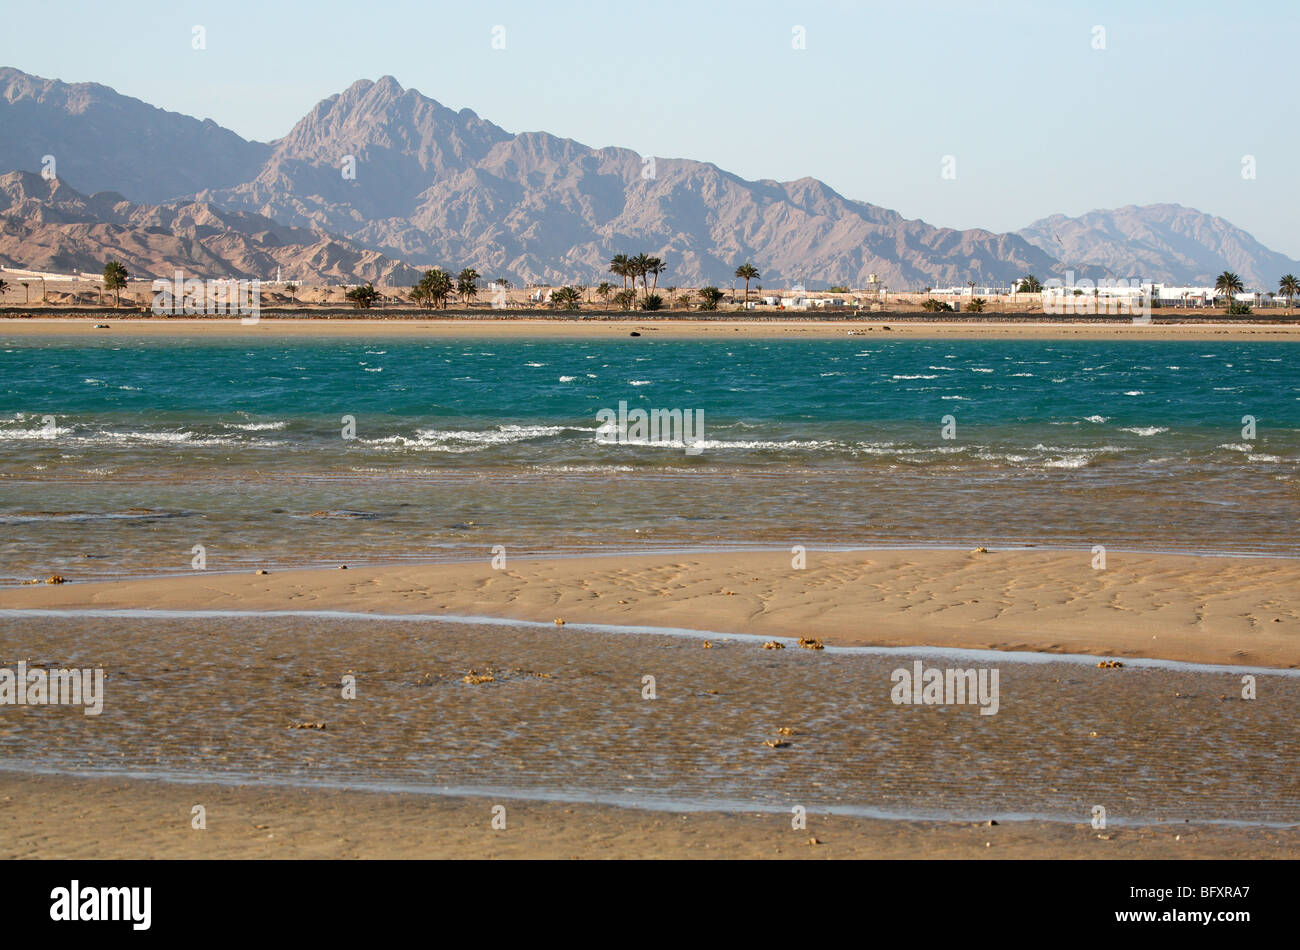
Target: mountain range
{"x":378,"y":182}
{"x":46,"y":225}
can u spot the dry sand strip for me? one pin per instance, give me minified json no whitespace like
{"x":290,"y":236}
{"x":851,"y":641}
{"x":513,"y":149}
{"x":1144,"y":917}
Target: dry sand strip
{"x":576,"y":328}
{"x":1222,"y":610}
{"x":57,"y":817}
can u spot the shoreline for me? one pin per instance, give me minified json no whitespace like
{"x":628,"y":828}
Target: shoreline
{"x":1202,"y":609}
{"x":578,"y":328}
{"x":70,"y":817}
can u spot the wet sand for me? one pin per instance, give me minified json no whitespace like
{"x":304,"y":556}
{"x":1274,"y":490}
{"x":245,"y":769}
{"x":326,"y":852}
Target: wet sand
{"x":74,"y":818}
{"x":577,"y":328}
{"x":1228,"y":610}
{"x":254,"y":709}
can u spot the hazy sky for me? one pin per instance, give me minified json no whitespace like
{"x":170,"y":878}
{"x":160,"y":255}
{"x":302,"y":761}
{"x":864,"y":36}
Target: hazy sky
{"x":1038,"y":119}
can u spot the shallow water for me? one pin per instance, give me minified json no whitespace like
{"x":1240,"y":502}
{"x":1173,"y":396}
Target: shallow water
{"x":160,"y":445}
{"x":564,"y":718}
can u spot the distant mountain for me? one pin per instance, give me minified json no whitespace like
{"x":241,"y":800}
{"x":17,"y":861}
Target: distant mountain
{"x":379,"y":175}
{"x":1166,"y":243}
{"x":48,"y":226}
{"x":102,"y":141}
{"x":436,"y":185}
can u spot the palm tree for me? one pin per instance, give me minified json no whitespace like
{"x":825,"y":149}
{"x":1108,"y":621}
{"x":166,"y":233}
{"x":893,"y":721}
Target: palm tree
{"x":747,"y":272}
{"x":566,"y":298}
{"x":363,"y":297}
{"x":1228,"y":284}
{"x":419,"y":295}
{"x":619,"y":266}
{"x":4,"y":285}
{"x":710,"y":297}
{"x":1288,"y":287}
{"x":655,"y":267}
{"x":115,"y":276}
{"x":292,"y":290}
{"x":604,"y":290}
{"x":467,"y":284}
{"x":433,"y":289}
{"x":640,"y":267}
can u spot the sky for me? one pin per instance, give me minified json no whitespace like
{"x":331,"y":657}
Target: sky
{"x":965,"y":114}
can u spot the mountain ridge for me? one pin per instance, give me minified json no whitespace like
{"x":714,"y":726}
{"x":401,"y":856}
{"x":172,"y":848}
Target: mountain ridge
{"x":385,"y":169}
{"x":1166,"y":243}
{"x":50,"y":226}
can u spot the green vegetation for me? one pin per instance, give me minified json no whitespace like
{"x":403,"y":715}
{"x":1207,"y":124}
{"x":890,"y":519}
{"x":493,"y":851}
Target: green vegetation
{"x":654,"y":267}
{"x":291,"y":290}
{"x":1028,"y":285}
{"x":976,"y":305}
{"x":652,"y":302}
{"x":467,"y":284}
{"x":747,"y":272}
{"x":837,"y":289}
{"x":1228,"y":284}
{"x":115,"y":276}
{"x":433,"y":290}
{"x":936,"y":306}
{"x":363,"y":297}
{"x":625,"y":298}
{"x":566,"y":298}
{"x":642,"y":267}
{"x":619,"y":267}
{"x":1288,"y":287}
{"x":710,"y":297}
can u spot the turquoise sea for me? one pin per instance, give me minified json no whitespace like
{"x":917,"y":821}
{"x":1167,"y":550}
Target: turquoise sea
{"x":119,"y":454}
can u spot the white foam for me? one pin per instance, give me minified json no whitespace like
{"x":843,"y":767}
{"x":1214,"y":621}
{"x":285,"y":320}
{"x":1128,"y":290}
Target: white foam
{"x":255,"y":426}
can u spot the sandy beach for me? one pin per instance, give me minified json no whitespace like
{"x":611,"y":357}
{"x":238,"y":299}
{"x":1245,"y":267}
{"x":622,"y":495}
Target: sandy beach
{"x":1220,"y":610}
{"x":63,"y":818}
{"x":246,"y":716}
{"x":239,"y":709}
{"x":577,"y":328}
